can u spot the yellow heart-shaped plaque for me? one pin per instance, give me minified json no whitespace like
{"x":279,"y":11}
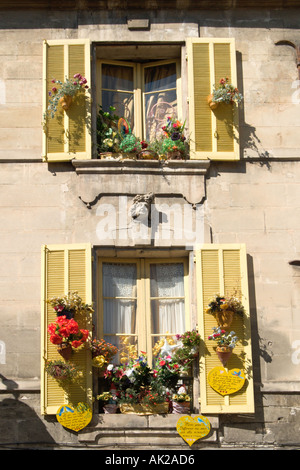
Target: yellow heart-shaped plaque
{"x":73,"y":419}
{"x":226,"y":382}
{"x":193,"y":428}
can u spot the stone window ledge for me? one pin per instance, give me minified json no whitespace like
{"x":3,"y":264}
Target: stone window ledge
{"x":153,"y":429}
{"x":183,"y":167}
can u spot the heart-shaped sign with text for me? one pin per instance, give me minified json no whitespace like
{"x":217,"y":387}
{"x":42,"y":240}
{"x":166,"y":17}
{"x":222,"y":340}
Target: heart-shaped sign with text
{"x":75,"y":419}
{"x":225,"y":382}
{"x":193,"y":428}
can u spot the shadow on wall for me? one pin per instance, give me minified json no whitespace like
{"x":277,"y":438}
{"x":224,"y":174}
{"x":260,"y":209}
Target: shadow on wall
{"x":247,"y":133}
{"x":20,"y":425}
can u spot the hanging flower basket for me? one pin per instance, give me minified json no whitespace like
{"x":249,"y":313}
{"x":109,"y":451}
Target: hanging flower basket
{"x":65,"y":102}
{"x":224,"y":318}
{"x":224,"y":353}
{"x":212,"y":104}
{"x":65,"y":350}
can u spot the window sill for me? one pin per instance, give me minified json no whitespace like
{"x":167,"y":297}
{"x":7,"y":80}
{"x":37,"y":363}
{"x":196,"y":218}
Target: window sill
{"x":141,"y":166}
{"x":185,"y":178}
{"x":147,"y":430}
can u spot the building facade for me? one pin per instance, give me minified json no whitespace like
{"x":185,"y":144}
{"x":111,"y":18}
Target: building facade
{"x":149,"y":242}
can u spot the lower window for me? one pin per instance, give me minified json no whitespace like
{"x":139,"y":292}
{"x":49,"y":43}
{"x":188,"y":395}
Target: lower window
{"x":142,"y":301}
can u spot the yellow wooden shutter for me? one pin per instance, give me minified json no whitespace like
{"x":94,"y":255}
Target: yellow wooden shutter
{"x":223,"y":269}
{"x":67,"y":135}
{"x":213,"y":134}
{"x":65,"y":268}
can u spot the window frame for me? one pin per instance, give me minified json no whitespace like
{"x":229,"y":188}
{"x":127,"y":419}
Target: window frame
{"x":143,"y":305}
{"x":138,"y":84}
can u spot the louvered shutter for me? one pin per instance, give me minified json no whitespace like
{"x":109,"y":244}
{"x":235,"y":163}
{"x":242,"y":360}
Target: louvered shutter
{"x":65,"y":268}
{"x":213,"y":134}
{"x":68,"y":134}
{"x":223,"y":269}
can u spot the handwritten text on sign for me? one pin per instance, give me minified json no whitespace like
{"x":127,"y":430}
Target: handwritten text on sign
{"x":225,"y":382}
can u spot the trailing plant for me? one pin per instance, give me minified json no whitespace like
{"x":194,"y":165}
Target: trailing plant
{"x":224,"y":338}
{"x":221,"y":303}
{"x":61,"y":370}
{"x":68,"y":88}
{"x":69,"y":305}
{"x":226,"y":92}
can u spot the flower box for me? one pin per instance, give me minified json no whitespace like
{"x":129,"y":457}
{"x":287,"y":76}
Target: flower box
{"x":141,"y":409}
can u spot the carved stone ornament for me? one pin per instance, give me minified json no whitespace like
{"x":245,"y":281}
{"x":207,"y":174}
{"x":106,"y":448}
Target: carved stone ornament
{"x":141,"y":207}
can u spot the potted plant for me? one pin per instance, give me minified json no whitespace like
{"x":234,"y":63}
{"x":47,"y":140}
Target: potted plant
{"x":69,"y":305}
{"x":191,"y":340}
{"x":224,"y":93}
{"x":108,"y":138}
{"x":61,"y":370}
{"x":63,"y":92}
{"x":139,"y":390}
{"x":66,"y":334}
{"x":181,"y":401}
{"x":226,"y":342}
{"x":224,"y":308}
{"x":102,"y":352}
{"x":109,"y":401}
{"x":173,"y":144}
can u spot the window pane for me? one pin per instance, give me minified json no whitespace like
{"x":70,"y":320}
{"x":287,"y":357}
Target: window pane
{"x":166,"y":280}
{"x":119,"y":304}
{"x":167,"y":316}
{"x":119,"y":280}
{"x":117,"y":77}
{"x":159,"y":78}
{"x":117,"y":90}
{"x":160,"y":98}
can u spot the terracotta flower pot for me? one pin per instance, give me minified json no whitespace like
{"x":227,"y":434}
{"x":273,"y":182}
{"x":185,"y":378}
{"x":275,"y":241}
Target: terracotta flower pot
{"x":65,"y":102}
{"x":211,"y":103}
{"x":65,"y":350}
{"x":110,"y":408}
{"x":224,"y":353}
{"x":224,"y":318}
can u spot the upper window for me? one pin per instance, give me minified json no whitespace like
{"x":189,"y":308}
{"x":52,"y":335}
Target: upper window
{"x":144,"y":94}
{"x":142,"y":301}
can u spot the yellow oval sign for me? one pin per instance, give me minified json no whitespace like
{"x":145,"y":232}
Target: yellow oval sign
{"x":73,"y":419}
{"x":225,"y":382}
{"x":193,"y":428}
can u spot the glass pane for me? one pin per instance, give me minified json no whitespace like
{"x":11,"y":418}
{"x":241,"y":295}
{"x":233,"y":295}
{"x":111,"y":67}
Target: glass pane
{"x":117,"y":77}
{"x":127,"y":347}
{"x":166,"y":280}
{"x":119,"y":280}
{"x":119,"y":316}
{"x":119,"y":303}
{"x":161,"y":77}
{"x":123,"y":102}
{"x":158,"y":107}
{"x":168,"y":316}
{"x":160,"y":98}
